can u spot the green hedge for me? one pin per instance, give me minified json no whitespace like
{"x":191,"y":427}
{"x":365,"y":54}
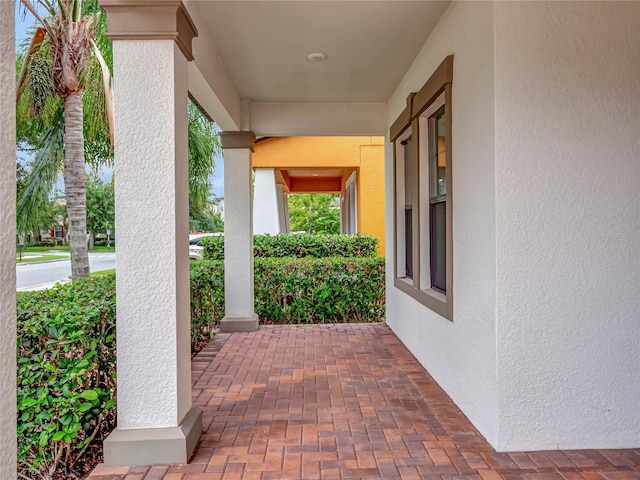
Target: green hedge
{"x":294,"y":245}
{"x":290,"y":290}
{"x":207,"y":298}
{"x":67,"y":352}
{"x":66,"y":372}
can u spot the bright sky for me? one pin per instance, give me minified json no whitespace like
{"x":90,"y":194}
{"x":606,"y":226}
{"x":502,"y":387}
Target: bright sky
{"x":24,"y":21}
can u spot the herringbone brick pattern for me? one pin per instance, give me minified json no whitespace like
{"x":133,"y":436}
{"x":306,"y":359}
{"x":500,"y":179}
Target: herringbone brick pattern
{"x":345,"y":402}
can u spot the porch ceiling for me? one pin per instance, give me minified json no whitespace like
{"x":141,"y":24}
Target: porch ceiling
{"x":313,"y":180}
{"x":264,"y":46}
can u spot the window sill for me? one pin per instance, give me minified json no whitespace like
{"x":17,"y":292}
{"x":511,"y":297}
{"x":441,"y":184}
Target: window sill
{"x":430,"y":298}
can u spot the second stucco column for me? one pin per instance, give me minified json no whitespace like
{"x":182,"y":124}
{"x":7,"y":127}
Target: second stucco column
{"x":266,"y":211}
{"x":239,"y":315}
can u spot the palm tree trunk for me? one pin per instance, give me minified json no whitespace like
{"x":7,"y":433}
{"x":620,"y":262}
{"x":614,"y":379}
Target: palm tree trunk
{"x":75,"y":181}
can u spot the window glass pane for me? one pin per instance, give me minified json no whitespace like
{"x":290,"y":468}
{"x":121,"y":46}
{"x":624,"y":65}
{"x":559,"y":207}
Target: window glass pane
{"x":438,"y":220}
{"x":408,"y":173}
{"x":408,"y":241}
{"x":438,"y":153}
{"x":437,"y":199}
{"x":408,"y":207}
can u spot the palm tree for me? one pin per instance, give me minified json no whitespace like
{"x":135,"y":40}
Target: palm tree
{"x":61,"y":59}
{"x":42,"y":126}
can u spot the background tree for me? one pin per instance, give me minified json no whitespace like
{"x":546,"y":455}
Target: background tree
{"x":206,"y":220}
{"x":100,"y":207}
{"x":314,"y":213}
{"x":204,"y":147}
{"x":62,"y":60}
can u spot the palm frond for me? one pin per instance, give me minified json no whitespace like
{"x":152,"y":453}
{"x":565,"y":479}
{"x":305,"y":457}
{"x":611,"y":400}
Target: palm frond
{"x":34,"y":48}
{"x":48,"y":5}
{"x":108,"y":94}
{"x":45,"y":166}
{"x":204,"y":145}
{"x":29,"y":6}
{"x":77,"y":10}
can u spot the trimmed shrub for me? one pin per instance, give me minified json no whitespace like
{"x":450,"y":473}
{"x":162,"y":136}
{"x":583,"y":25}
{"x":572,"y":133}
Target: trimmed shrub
{"x":67,"y":369}
{"x":66,"y":373}
{"x":290,"y":290}
{"x":293,"y":245}
{"x":207,"y":298}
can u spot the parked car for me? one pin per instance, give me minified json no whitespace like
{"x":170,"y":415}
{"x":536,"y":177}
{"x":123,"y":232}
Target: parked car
{"x":195,"y":248}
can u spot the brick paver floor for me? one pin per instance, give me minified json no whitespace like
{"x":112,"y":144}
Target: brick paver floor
{"x":345,"y":402}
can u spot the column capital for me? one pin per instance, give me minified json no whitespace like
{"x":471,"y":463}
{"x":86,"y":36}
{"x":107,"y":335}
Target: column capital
{"x":150,"y":20}
{"x":244,"y":139}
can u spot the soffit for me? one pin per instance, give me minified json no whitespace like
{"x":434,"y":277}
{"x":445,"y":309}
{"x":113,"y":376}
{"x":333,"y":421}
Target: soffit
{"x":315,"y":172}
{"x":264,"y":44}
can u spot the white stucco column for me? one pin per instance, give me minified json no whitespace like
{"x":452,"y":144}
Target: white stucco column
{"x":156,"y":421}
{"x":267,"y":201}
{"x":238,"y":233}
{"x":7,"y":243}
{"x":283,"y":209}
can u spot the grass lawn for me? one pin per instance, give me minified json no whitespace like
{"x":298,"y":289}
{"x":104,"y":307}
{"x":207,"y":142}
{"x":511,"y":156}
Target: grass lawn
{"x":40,"y":258}
{"x":103,"y":273}
{"x":66,"y":249}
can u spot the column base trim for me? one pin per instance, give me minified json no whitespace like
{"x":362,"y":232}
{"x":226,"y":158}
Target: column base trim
{"x":154,"y":446}
{"x":239,"y":324}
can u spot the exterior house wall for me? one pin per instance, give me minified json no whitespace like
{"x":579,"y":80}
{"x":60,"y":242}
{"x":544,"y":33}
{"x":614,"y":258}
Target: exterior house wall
{"x":543,"y":350}
{"x":460,"y":355}
{"x":567,"y":169}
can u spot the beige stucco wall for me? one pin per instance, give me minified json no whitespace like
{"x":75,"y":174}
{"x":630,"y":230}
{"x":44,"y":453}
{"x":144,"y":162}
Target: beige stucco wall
{"x":7,"y":244}
{"x":460,"y":355}
{"x":568,"y":224}
{"x":544,"y":348}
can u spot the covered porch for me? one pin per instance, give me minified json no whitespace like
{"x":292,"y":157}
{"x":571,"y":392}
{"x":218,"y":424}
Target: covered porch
{"x":513,"y":272}
{"x":345,"y":402}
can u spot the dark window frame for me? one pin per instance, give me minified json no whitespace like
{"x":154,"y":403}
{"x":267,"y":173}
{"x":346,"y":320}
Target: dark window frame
{"x":437,"y":299}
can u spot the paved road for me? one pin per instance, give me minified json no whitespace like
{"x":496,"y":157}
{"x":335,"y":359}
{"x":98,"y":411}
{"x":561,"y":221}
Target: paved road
{"x":36,"y":276}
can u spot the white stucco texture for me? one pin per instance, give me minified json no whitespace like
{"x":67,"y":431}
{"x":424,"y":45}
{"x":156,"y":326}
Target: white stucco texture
{"x":567,"y":109}
{"x":153,"y":313}
{"x":8,"y":453}
{"x":266,"y":211}
{"x":238,"y":234}
{"x":460,"y":355}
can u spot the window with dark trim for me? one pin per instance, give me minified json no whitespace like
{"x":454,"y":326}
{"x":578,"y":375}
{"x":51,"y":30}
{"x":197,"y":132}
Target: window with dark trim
{"x":408,"y":208}
{"x":438,"y":200}
{"x":423,"y":210}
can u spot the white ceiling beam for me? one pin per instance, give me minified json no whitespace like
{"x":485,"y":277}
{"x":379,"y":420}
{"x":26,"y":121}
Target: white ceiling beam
{"x":209,"y":80}
{"x":317,"y":119}
{"x":209,"y":101}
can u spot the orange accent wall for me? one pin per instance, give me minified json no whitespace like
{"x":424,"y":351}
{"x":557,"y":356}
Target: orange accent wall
{"x":306,"y":152}
{"x":364,"y":154}
{"x":370,"y":189}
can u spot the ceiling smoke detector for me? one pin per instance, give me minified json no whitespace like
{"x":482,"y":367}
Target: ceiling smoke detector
{"x":317,"y":57}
